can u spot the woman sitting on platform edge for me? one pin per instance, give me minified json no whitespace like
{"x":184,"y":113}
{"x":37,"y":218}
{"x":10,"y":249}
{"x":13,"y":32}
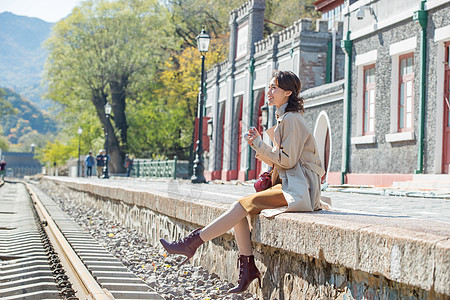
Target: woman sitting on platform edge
{"x":296,"y":179}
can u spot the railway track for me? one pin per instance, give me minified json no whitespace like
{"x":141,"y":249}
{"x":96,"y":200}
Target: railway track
{"x":44,"y":254}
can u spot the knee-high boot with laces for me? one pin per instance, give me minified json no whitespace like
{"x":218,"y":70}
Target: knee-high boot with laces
{"x":247,"y":273}
{"x":186,"y":246}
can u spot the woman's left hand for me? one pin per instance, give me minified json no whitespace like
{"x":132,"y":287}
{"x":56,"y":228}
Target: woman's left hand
{"x":252,"y":135}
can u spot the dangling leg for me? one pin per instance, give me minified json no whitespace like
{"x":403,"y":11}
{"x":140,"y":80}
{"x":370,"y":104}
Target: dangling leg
{"x":224,"y":223}
{"x":247,"y":273}
{"x":242,"y":235}
{"x":254,"y":204}
{"x":246,"y":261}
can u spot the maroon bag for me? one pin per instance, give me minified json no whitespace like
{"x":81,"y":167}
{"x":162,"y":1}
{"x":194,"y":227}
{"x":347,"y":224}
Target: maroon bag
{"x":264,"y":181}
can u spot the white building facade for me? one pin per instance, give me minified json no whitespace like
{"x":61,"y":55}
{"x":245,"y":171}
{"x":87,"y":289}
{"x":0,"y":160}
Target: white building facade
{"x":236,"y":88}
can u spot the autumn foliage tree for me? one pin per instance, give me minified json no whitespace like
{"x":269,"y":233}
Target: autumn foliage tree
{"x":161,"y":124}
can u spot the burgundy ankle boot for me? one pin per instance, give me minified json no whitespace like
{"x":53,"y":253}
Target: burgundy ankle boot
{"x":187,"y":246}
{"x":247,"y":273}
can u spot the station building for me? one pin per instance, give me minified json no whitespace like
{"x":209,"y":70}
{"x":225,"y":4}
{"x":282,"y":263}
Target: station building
{"x":20,"y":164}
{"x":374,"y":77}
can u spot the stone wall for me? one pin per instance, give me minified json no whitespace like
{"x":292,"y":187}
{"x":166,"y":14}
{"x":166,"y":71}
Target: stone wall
{"x":301,"y":256}
{"x":382,"y":156}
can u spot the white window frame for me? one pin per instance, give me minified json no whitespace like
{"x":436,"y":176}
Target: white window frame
{"x":362,"y":60}
{"x":369,"y":119}
{"x":405,"y":79}
{"x":395,"y":51}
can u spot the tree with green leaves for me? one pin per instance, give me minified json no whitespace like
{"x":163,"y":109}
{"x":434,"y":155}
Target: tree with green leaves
{"x":102,"y":53}
{"x":5,"y":109}
{"x":3,"y":141}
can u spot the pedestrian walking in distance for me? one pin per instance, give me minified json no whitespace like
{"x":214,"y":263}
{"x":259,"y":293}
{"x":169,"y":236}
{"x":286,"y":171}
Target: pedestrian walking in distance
{"x":296,"y":177}
{"x":100,"y":162}
{"x":128,"y":164}
{"x":89,"y":162}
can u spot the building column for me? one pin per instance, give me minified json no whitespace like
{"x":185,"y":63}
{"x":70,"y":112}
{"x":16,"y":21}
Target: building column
{"x":246,"y":112}
{"x":229,"y":117}
{"x":214,"y":143}
{"x":229,"y":114}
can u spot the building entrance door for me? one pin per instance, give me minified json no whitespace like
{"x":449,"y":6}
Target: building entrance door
{"x":446,"y":141}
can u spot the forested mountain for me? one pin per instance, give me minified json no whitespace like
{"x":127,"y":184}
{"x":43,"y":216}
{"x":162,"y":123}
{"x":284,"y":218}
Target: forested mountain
{"x":28,"y":120}
{"x":22,"y":55}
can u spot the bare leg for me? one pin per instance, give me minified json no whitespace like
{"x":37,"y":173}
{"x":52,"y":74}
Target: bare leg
{"x":224,"y":223}
{"x":242,"y":234}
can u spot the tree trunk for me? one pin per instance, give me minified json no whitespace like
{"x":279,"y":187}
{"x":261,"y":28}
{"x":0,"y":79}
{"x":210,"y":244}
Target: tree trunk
{"x":114,"y":149}
{"x":118,"y":97}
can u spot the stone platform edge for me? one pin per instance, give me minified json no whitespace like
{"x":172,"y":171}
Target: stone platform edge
{"x":373,"y":244}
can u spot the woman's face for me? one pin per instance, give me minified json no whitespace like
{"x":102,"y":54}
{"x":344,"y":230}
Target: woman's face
{"x":276,"y":95}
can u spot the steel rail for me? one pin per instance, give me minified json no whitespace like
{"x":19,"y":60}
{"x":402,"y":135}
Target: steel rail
{"x":85,"y":278}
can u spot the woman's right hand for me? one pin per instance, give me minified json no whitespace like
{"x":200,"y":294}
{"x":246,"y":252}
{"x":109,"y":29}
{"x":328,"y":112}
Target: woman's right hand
{"x":252,"y":134}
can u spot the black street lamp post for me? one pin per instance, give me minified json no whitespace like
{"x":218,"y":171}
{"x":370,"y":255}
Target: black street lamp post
{"x":80,"y":131}
{"x":203,"y":40}
{"x":107,"y":113}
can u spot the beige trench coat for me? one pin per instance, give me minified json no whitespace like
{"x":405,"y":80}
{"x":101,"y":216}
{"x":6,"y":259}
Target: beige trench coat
{"x":295,"y":158}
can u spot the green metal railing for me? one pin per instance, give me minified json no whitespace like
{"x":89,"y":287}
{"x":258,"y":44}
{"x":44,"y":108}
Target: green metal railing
{"x":154,"y":168}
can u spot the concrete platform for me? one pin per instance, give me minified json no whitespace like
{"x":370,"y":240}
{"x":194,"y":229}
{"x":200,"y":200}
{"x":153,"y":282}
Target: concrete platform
{"x":367,"y":245}
{"x":440,"y":182}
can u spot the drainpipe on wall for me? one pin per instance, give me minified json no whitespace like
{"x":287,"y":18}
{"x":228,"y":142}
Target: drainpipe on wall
{"x":347,"y":46}
{"x":249,"y":153}
{"x":329,"y":62}
{"x":333,"y":54}
{"x":421,"y":16}
{"x":331,"y":57}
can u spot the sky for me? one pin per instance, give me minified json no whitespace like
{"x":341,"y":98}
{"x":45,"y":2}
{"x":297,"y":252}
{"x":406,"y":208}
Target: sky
{"x":47,"y":10}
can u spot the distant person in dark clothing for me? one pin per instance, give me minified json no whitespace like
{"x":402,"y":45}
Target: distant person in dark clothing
{"x":100,"y":162}
{"x":89,"y":162}
{"x":128,"y":164}
{"x":2,"y":169}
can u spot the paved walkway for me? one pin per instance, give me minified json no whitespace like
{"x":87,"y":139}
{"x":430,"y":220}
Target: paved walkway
{"x":362,"y":201}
